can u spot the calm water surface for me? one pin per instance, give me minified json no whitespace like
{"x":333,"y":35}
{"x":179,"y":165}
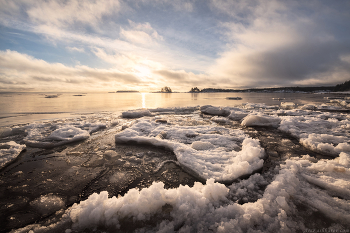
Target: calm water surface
{"x":18,"y":108}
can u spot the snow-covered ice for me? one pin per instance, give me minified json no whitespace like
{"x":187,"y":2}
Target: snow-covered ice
{"x":9,"y":151}
{"x":209,"y":207}
{"x":299,"y":193}
{"x":205,"y":151}
{"x":260,"y":120}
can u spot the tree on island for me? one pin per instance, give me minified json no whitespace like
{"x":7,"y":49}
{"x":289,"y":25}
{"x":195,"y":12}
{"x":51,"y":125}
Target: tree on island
{"x":195,"y":89}
{"x":166,"y":89}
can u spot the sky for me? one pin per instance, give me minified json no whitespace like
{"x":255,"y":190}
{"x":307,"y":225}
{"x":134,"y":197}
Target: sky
{"x":110,"y":45}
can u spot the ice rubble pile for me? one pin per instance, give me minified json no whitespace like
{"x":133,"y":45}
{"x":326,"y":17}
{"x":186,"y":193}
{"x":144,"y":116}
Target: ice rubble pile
{"x":322,"y":186}
{"x":321,"y":132}
{"x":207,"y":151}
{"x":9,"y":151}
{"x":48,"y":135}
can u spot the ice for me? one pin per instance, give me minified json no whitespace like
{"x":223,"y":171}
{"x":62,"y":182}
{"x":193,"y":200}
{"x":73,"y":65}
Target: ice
{"x":218,"y":119}
{"x":322,"y":132}
{"x":58,"y":137}
{"x":212,"y":110}
{"x":59,"y":132}
{"x":175,"y":110}
{"x":261,"y":120}
{"x":287,"y":105}
{"x":48,"y":204}
{"x":9,"y":151}
{"x":209,"y":207}
{"x":299,"y":194}
{"x":205,"y":151}
{"x":98,"y":209}
{"x":136,"y":113}
{"x":308,"y":107}
{"x":5,"y":131}
{"x":237,"y":114}
{"x":259,"y":106}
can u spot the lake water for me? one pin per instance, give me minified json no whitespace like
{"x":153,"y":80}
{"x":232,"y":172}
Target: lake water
{"x":19,"y":108}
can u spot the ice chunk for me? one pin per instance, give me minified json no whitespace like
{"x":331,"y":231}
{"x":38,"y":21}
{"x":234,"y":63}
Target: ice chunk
{"x":218,"y":119}
{"x":5,"y":131}
{"x":308,"y":107}
{"x":98,"y":209}
{"x":259,"y":106}
{"x":237,"y":115}
{"x":58,"y":137}
{"x":319,"y":132}
{"x":48,"y":204}
{"x":260,"y":120}
{"x":205,"y":151}
{"x":136,"y":113}
{"x":198,"y":145}
{"x":9,"y":151}
{"x":212,"y":110}
{"x":287,"y":105}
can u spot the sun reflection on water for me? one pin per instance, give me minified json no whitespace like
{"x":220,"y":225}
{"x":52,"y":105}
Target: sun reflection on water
{"x":143,"y":100}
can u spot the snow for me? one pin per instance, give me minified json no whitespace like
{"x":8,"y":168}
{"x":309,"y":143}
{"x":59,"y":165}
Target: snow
{"x":260,"y":120}
{"x":218,"y":119}
{"x":271,"y":201}
{"x":212,"y":110}
{"x":48,"y":204}
{"x":9,"y":151}
{"x":287,"y":105}
{"x":205,"y":151}
{"x":321,"y":132}
{"x":208,"y":207}
{"x":60,"y":132}
{"x":237,"y":114}
{"x":58,"y":137}
{"x":136,"y":113}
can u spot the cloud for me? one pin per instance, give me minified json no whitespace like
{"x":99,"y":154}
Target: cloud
{"x":273,"y":43}
{"x":17,"y":68}
{"x":66,"y":13}
{"x":75,"y":49}
{"x":178,"y":5}
{"x":141,"y":33}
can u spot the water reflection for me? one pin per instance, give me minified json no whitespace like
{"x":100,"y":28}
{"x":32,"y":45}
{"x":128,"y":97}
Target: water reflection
{"x":194,"y":96}
{"x":143,"y":100}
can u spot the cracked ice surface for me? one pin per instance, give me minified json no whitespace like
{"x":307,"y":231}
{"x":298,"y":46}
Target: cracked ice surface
{"x":208,"y":151}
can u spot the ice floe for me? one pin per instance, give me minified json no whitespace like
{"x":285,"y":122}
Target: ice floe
{"x":205,"y":151}
{"x":9,"y":151}
{"x":58,"y":137}
{"x":212,"y":110}
{"x":260,"y":120}
{"x":320,"y":132}
{"x":322,"y":186}
{"x":136,"y":113}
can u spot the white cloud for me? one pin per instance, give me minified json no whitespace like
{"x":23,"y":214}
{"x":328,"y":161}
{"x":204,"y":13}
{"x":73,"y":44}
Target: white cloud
{"x":17,"y":68}
{"x":72,"y":49}
{"x":65,"y":13}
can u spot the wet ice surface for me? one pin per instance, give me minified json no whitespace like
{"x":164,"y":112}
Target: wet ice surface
{"x":253,"y":168}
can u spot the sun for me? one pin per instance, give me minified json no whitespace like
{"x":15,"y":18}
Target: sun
{"x":142,"y":71}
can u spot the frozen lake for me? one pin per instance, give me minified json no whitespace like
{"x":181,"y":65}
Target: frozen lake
{"x":179,"y":162}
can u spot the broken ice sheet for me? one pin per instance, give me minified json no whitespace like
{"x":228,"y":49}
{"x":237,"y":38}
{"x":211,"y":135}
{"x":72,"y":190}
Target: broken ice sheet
{"x":205,"y":151}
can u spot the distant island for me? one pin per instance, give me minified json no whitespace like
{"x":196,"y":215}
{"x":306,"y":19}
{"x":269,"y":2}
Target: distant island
{"x":123,"y":91}
{"x":338,"y":88}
